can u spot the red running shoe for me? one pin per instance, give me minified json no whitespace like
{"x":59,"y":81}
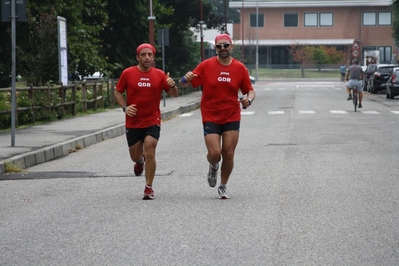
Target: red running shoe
{"x":148,"y":193}
{"x":138,"y":168}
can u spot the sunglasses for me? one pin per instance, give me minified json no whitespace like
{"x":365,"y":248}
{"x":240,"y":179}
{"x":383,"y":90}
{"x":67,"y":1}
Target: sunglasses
{"x":225,"y":45}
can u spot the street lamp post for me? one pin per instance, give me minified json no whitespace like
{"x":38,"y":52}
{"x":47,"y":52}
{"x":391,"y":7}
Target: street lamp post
{"x":201,"y":22}
{"x":257,"y":40}
{"x":242,"y":32}
{"x":151,"y":19}
{"x":225,"y":16}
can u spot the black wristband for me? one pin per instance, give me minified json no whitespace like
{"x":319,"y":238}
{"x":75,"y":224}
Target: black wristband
{"x":124,"y":108}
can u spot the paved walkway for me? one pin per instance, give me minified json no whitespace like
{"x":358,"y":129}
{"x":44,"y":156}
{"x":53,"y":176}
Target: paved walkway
{"x":42,"y":143}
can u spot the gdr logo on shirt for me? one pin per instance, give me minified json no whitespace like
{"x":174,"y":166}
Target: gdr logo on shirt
{"x":144,"y":84}
{"x":224,"y":79}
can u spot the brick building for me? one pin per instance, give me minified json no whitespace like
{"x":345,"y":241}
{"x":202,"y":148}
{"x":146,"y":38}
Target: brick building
{"x":352,"y":26}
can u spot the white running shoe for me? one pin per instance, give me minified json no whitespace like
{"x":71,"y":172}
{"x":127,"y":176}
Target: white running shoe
{"x":222,"y":193}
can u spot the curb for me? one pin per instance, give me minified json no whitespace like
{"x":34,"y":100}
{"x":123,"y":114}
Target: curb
{"x":62,"y":149}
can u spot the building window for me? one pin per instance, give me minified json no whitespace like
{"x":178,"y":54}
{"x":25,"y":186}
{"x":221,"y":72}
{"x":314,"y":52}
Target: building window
{"x":385,"y":54}
{"x":290,"y":19}
{"x":326,"y":19}
{"x":261,"y":22}
{"x":369,"y":19}
{"x":384,"y":19}
{"x":311,"y":20}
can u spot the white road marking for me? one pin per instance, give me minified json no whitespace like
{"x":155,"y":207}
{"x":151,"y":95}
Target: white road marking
{"x":306,"y":112}
{"x":186,"y":114}
{"x":338,"y":112}
{"x":395,"y":112}
{"x":276,"y":112}
{"x":247,"y":112}
{"x":371,"y":112}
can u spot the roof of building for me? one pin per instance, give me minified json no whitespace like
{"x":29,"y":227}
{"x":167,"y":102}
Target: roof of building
{"x":306,"y":3}
{"x":299,"y":42}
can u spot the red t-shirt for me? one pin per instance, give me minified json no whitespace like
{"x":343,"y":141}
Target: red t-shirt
{"x":144,"y":90}
{"x":220,"y":87}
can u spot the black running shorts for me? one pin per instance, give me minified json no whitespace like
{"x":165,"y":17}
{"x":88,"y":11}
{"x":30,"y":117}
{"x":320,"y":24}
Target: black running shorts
{"x":133,"y":135}
{"x":212,"y":128}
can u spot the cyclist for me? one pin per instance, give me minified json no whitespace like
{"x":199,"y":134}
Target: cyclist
{"x":354,"y":76}
{"x":342,"y":69}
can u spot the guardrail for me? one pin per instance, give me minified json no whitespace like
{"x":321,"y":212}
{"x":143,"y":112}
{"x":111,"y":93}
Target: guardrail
{"x":42,"y":103}
{"x":48,"y":103}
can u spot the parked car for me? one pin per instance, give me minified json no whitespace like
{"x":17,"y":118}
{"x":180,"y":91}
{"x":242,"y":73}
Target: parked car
{"x":96,"y":76}
{"x":252,"y":79}
{"x":367,"y":75}
{"x":364,"y":68}
{"x":379,"y":78}
{"x":393,"y":84}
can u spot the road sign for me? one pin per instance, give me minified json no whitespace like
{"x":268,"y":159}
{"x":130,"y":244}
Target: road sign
{"x":20,"y":10}
{"x":163,"y":37}
{"x":62,"y":50}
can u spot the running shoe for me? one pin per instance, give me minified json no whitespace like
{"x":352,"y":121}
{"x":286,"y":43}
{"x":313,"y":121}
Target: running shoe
{"x":138,"y":168}
{"x":349,"y":97}
{"x":148,"y":193}
{"x":212,"y":175}
{"x":360,"y":105}
{"x":222,"y":193}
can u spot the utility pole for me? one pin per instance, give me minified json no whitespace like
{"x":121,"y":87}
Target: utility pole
{"x":151,"y":19}
{"x":13,"y":89}
{"x":13,"y":11}
{"x":201,"y":22}
{"x":257,"y":40}
{"x":225,"y":16}
{"x":242,"y":33}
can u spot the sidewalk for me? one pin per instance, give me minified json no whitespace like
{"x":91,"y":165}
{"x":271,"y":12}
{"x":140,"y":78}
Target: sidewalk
{"x":43,"y":143}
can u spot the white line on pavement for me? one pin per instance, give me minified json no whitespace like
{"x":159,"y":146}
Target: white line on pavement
{"x":275,"y":112}
{"x":371,"y":112}
{"x":338,"y":112}
{"x":306,"y":112}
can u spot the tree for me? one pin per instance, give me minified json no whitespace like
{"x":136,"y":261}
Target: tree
{"x":395,"y":22}
{"x":334,"y":56}
{"x":301,"y":55}
{"x":37,"y":38}
{"x":126,"y":29}
{"x":323,"y":55}
{"x":36,"y":58}
{"x":103,"y":35}
{"x":319,"y":57}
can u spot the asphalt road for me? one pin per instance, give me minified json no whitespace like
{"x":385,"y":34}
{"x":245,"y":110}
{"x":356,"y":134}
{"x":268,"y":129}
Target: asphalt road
{"x":314,"y":183}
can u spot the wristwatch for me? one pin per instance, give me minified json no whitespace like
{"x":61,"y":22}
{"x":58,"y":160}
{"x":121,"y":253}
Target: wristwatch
{"x":124,"y":108}
{"x":250,"y":101}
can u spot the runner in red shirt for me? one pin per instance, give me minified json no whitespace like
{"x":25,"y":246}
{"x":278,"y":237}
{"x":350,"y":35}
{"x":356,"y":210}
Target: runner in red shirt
{"x":143,"y":86}
{"x":222,"y":78}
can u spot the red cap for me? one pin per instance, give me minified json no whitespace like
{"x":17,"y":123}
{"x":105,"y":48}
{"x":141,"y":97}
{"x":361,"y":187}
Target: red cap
{"x":223,"y":36}
{"x":143,"y":46}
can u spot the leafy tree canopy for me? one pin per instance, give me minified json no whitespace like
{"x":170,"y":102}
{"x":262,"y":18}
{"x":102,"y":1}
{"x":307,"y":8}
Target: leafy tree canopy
{"x":103,"y":35}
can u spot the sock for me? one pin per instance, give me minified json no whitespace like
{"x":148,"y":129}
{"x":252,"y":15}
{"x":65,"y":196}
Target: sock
{"x":149,"y":186}
{"x":222,"y":185}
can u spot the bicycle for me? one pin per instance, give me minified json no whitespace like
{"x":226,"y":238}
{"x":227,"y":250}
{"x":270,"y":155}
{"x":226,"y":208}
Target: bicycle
{"x":354,"y":97}
{"x":342,"y":78}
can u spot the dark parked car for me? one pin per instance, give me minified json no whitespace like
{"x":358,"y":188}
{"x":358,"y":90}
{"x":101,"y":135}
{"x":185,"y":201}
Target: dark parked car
{"x":393,"y":84}
{"x":367,"y":74}
{"x":379,"y":78}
